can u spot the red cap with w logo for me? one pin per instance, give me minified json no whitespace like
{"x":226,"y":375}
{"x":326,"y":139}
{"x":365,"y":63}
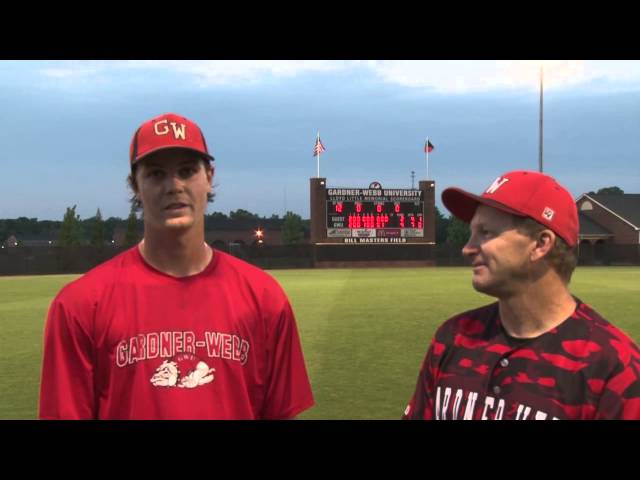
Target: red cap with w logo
{"x":525,"y":194}
{"x":167,"y":131}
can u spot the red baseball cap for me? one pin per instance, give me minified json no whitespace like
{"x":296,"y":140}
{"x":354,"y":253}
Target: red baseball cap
{"x":167,"y":131}
{"x":525,"y":194}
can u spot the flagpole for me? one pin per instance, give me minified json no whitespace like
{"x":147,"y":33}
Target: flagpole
{"x":318,"y":140}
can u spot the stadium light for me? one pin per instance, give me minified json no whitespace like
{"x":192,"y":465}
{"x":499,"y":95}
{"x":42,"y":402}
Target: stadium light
{"x":259,"y":235}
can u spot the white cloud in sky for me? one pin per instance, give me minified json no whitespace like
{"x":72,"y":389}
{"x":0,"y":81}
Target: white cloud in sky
{"x":442,"y":76}
{"x":74,"y":69}
{"x":204,"y":73}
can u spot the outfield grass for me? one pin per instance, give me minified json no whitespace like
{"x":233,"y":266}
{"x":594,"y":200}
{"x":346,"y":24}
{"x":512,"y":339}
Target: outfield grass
{"x":364,"y":331}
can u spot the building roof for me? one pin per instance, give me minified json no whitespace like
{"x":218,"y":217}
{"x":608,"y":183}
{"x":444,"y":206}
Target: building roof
{"x":626,"y":205}
{"x":589,"y":227}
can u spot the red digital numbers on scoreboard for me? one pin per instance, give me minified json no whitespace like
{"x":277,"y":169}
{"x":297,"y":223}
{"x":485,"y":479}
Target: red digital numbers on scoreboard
{"x":374,"y":214}
{"x":355,"y":221}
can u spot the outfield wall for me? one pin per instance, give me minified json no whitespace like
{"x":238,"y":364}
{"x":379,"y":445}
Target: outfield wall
{"x":61,"y":260}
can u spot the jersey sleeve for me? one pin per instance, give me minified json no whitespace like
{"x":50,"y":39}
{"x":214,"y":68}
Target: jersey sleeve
{"x":288,"y":391}
{"x":66,"y":388}
{"x":421,"y":404}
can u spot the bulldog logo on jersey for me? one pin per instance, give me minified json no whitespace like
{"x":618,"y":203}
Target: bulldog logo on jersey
{"x":182,"y":371}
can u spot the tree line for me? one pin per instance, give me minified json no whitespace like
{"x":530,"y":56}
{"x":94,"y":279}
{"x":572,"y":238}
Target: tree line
{"x":96,"y":231}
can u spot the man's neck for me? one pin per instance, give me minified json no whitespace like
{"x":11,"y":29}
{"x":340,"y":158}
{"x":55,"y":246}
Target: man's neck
{"x":542,"y":306}
{"x":179,"y":255}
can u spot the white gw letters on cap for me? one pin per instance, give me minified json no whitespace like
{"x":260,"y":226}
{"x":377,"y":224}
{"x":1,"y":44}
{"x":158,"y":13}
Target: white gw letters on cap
{"x":178,"y":131}
{"x":497,"y":183}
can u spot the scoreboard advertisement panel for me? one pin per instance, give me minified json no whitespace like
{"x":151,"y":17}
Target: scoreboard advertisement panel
{"x":374,"y":215}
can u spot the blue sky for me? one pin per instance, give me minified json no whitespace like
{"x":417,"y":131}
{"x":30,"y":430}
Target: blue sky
{"x":65,"y":126}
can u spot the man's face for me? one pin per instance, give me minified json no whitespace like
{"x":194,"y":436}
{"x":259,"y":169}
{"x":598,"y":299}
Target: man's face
{"x":499,"y":254}
{"x":173,"y":186}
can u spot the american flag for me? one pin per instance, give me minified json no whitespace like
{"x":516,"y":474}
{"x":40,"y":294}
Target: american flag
{"x":319,"y":148}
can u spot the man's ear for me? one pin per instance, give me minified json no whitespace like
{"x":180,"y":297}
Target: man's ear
{"x":210,"y":171}
{"x":133,"y":184}
{"x":545,"y":241}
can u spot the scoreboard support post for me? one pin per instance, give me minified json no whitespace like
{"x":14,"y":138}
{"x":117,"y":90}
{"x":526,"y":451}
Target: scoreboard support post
{"x":317,"y":190}
{"x":428,"y":188}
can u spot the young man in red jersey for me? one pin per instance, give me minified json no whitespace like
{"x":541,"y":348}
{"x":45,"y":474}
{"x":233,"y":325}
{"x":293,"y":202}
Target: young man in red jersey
{"x":538,"y":352}
{"x":172,"y":329}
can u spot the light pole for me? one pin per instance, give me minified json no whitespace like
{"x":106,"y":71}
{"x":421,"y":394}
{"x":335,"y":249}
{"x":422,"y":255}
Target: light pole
{"x":540,"y":166}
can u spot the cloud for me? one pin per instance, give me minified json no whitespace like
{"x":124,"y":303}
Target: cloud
{"x":460,"y":76}
{"x":204,"y":73}
{"x":220,"y":72}
{"x":73,"y":69}
{"x":440,"y":76}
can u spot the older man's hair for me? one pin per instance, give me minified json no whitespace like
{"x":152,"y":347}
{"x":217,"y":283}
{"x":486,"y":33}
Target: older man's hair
{"x":562,"y":258}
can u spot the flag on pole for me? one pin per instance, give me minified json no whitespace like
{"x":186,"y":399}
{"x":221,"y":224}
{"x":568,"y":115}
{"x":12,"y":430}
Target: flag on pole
{"x":428,"y":146}
{"x":319,"y":148}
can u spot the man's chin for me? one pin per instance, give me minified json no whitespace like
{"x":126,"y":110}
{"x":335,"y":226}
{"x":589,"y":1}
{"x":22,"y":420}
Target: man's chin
{"x":178,"y":223}
{"x":482,"y":286}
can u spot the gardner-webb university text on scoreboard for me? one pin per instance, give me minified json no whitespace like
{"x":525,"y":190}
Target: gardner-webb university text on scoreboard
{"x":374,"y":215}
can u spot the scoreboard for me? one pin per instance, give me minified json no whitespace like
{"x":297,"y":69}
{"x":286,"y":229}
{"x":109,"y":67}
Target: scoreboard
{"x":374,"y":215}
{"x":377,"y":224}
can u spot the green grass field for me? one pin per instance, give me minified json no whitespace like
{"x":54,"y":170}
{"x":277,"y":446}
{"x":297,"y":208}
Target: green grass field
{"x":364,"y":331}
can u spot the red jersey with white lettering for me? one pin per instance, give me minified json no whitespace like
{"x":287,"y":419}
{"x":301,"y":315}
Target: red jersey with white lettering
{"x":585,"y":368}
{"x":126,"y":341}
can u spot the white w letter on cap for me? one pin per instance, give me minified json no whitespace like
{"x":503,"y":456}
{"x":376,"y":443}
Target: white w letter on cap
{"x":178,"y":132}
{"x":497,"y":183}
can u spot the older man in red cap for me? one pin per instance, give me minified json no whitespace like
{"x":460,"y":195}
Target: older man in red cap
{"x":172,"y":329}
{"x":538,"y":352}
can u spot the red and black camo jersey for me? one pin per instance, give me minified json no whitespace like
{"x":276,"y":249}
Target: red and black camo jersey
{"x":585,"y":368}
